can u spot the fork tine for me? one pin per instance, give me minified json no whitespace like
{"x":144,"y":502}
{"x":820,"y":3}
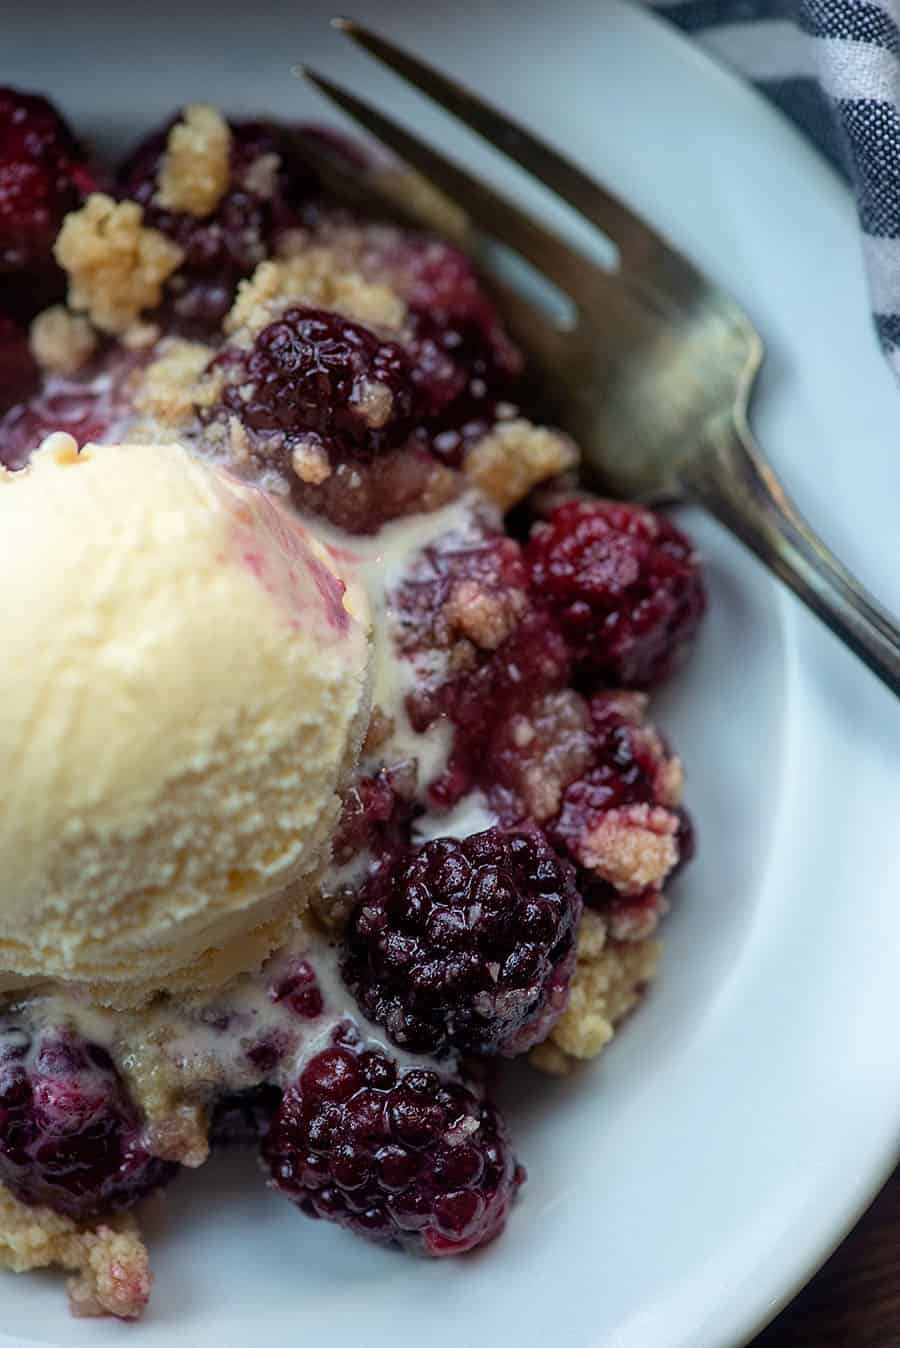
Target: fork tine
{"x":490,"y":212}
{"x":643,"y":252}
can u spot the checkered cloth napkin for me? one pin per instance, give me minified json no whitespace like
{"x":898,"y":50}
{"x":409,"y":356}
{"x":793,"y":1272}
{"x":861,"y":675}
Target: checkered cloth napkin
{"x":834,"y":67}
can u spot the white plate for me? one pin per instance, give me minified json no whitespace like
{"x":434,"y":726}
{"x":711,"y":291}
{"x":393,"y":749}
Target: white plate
{"x":684,"y":1187}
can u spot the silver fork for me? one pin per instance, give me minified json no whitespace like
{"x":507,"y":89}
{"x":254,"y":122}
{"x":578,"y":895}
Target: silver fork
{"x":653,"y":377}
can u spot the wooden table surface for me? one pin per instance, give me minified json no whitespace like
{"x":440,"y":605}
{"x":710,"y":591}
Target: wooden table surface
{"x":854,"y":1300}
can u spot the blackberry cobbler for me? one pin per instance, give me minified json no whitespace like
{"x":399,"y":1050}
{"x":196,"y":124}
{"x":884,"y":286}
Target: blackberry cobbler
{"x":466,"y":836}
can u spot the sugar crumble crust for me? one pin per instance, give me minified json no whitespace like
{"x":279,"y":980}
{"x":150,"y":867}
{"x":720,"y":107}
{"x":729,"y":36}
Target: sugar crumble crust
{"x":317,"y":277}
{"x":108,"y":1260}
{"x":61,"y":342}
{"x":116,"y":265}
{"x":610,"y":979}
{"x":516,"y":456}
{"x":261,"y":175}
{"x":176,"y":383}
{"x":195,"y":169}
{"x":633,"y":849}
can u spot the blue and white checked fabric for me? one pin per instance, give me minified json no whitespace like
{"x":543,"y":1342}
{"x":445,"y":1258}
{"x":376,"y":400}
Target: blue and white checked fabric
{"x":834,"y":67}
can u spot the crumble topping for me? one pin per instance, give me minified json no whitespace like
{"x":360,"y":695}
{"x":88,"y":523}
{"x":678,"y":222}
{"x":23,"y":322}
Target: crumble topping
{"x":195,"y":168}
{"x":116,"y":265}
{"x":139,"y":335}
{"x":610,"y":977}
{"x":61,"y":342}
{"x":553,"y":747}
{"x":181,"y":1134}
{"x":514,"y":457}
{"x":485,"y":619}
{"x":108,"y":1258}
{"x":375,"y":403}
{"x":261,"y":176}
{"x":177,"y":382}
{"x":317,"y":277}
{"x":308,"y":460}
{"x":633,"y":848}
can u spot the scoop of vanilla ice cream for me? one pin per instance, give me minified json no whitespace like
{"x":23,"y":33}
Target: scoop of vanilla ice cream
{"x":183,"y":690}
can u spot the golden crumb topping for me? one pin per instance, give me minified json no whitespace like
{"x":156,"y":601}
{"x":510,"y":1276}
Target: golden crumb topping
{"x":261,"y":176}
{"x":555,"y":747}
{"x":633,"y":848}
{"x":108,"y":1259}
{"x":481,"y":617}
{"x":115,"y":263}
{"x":310,"y":463}
{"x":61,"y":342}
{"x":514,"y":457}
{"x":315,"y":277}
{"x":195,"y":168}
{"x":610,"y":977}
{"x":176,"y":383}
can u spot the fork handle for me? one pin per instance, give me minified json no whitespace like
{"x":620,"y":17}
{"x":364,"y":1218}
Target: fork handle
{"x":732,"y":479}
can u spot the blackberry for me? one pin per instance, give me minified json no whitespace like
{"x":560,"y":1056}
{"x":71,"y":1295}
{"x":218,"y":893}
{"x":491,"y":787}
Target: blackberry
{"x":43,"y":175}
{"x":466,"y":945}
{"x":621,"y":820}
{"x":323,"y":379}
{"x":376,"y":812}
{"x":70,"y":1137}
{"x":465,"y":598}
{"x":623,"y":583}
{"x":405,"y":1157}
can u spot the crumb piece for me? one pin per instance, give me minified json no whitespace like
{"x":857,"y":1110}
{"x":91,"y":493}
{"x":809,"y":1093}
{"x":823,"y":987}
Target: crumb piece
{"x":514,"y":457}
{"x":115,"y":1279}
{"x":116,"y":265}
{"x":109,"y":1259}
{"x":627,"y":703}
{"x":238,"y":441}
{"x":315,"y":277}
{"x":195,"y":168}
{"x":331,"y":909}
{"x":176,"y":383}
{"x":139,"y":335}
{"x":374,"y":402}
{"x":310,"y":462}
{"x":181,"y":1134}
{"x":610,"y":977}
{"x":61,"y":342}
{"x":552,"y":745}
{"x":261,"y":177}
{"x":633,"y":848}
{"x":484,"y":618}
